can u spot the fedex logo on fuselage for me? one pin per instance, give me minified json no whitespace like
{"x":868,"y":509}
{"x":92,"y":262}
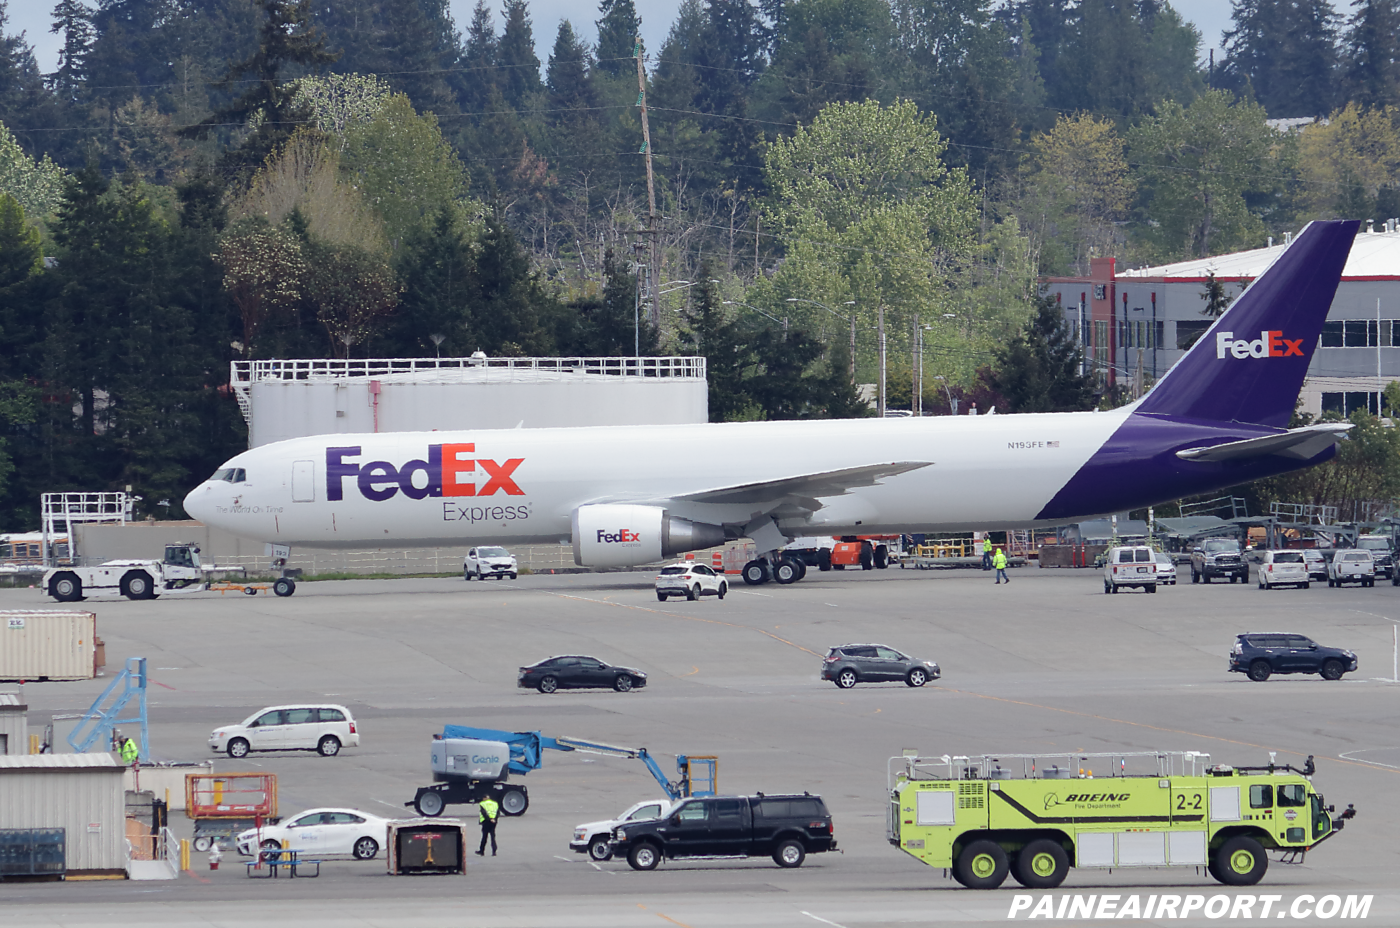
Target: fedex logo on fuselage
{"x":1269,"y":344}
{"x":621,"y":536}
{"x":446,"y":472}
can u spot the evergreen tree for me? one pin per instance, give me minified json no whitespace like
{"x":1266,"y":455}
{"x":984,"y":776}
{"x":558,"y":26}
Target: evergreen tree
{"x":510,"y":305}
{"x":287,"y":38}
{"x":517,"y":65}
{"x":1373,"y":54}
{"x":1042,"y":368}
{"x":73,"y":20}
{"x":21,"y":260}
{"x":618,"y":30}
{"x":728,"y":354}
{"x":576,"y":144}
{"x":1285,"y":53}
{"x":439,"y":287}
{"x":568,"y":76}
{"x":609,"y":325}
{"x":478,"y":73}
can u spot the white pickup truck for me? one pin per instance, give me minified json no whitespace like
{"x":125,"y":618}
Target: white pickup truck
{"x":179,"y":572}
{"x":594,"y":838}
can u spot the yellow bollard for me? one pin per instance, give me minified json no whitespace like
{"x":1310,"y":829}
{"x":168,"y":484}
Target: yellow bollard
{"x":184,"y":853}
{"x":33,"y":744}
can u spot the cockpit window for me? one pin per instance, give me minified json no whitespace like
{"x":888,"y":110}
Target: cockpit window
{"x":231,"y":475}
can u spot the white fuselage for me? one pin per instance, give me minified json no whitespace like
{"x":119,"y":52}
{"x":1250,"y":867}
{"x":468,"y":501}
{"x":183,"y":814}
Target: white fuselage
{"x":521,"y":486}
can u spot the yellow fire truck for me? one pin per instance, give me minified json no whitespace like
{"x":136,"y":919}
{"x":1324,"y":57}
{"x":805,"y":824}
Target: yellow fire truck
{"x":1035,"y":816}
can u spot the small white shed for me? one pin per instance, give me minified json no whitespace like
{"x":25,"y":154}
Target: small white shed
{"x":14,"y":725}
{"x":80,"y":793}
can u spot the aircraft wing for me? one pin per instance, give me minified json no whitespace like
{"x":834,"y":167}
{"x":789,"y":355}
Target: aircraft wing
{"x":1302,"y":444}
{"x":806,"y":486}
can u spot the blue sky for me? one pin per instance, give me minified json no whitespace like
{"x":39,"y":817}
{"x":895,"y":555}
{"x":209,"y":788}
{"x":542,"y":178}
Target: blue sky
{"x":34,"y":18}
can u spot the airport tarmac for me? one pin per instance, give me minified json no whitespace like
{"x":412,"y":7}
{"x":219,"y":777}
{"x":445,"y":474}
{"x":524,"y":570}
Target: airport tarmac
{"x":1047,"y":663}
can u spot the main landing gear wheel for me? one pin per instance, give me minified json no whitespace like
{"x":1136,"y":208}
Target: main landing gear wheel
{"x":756,"y":573}
{"x":787,"y":571}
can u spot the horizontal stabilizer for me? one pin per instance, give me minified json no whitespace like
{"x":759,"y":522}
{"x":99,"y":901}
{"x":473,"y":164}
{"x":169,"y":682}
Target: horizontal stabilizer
{"x":1302,"y":444}
{"x":814,"y":486}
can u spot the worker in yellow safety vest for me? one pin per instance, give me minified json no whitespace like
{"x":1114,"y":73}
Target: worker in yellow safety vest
{"x":987,"y":553}
{"x":999,"y":562}
{"x":490,"y":809}
{"x":129,"y":751}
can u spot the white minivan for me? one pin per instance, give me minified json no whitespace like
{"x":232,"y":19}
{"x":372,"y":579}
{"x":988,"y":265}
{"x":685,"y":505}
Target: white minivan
{"x":324,"y":729}
{"x":1130,"y":566}
{"x":1283,"y":568}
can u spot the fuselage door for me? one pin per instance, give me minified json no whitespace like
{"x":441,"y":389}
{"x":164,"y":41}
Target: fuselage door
{"x":303,"y":482}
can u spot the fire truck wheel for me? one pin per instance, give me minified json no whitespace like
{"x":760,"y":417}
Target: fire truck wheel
{"x":982,"y":865}
{"x":429,"y":804}
{"x":1241,"y":861}
{"x":1042,"y":864}
{"x":66,"y":587}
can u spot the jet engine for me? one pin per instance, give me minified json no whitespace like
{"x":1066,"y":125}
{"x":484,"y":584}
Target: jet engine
{"x":621,"y":535}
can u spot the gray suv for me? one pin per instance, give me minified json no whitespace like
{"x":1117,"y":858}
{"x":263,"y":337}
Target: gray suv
{"x":1218,"y":557}
{"x":875,"y":663}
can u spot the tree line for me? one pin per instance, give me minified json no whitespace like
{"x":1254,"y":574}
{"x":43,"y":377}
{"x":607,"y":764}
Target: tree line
{"x":201,"y":182}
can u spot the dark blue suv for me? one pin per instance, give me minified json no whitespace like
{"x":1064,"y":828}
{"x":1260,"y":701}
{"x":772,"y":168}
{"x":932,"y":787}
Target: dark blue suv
{"x":1263,"y":654}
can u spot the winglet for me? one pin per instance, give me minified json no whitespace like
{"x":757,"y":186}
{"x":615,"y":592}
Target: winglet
{"x":1249,"y":366}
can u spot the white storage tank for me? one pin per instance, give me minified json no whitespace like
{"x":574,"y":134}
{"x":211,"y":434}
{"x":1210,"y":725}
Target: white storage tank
{"x":80,"y":793}
{"x":298,"y":398}
{"x":40,"y":645}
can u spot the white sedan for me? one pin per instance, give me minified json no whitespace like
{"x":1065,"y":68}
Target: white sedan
{"x":319,"y":833}
{"x":690,"y":580}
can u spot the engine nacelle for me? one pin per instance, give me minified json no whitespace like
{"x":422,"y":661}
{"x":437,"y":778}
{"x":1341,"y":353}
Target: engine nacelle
{"x":623,"y":535}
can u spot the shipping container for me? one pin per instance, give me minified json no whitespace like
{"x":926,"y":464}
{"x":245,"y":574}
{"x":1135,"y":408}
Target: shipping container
{"x":80,"y":793}
{"x":38,"y":646}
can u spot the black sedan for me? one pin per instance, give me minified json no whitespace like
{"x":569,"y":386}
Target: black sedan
{"x":576,"y":671}
{"x":1262,"y":655}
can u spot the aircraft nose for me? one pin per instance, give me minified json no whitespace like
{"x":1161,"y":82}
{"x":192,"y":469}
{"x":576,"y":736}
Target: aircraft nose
{"x":199,"y":504}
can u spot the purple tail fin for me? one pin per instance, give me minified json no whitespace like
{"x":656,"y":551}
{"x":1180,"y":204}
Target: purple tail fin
{"x":1249,"y":366}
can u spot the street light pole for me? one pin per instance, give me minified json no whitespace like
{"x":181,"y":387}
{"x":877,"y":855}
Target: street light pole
{"x":952,"y":403}
{"x":880,"y":397}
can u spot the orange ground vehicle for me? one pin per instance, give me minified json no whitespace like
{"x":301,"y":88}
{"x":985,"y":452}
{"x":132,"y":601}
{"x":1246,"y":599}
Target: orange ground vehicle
{"x":868,"y":552}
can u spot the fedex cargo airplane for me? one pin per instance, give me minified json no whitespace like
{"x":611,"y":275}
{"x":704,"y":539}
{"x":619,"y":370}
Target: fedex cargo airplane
{"x":632,"y":495}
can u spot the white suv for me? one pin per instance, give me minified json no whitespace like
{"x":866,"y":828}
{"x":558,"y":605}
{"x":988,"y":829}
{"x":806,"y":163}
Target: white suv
{"x":325,"y":729}
{"x":1352,"y":565}
{"x":593,"y":838}
{"x":1283,"y":568}
{"x":488,"y":562}
{"x":690,"y":580}
{"x":1134,"y":566}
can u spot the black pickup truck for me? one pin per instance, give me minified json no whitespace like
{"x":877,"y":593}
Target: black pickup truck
{"x":787,"y":828}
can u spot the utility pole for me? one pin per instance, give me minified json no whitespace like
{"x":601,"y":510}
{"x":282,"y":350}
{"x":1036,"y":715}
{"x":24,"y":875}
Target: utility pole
{"x":654,"y":270}
{"x":880,"y":397}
